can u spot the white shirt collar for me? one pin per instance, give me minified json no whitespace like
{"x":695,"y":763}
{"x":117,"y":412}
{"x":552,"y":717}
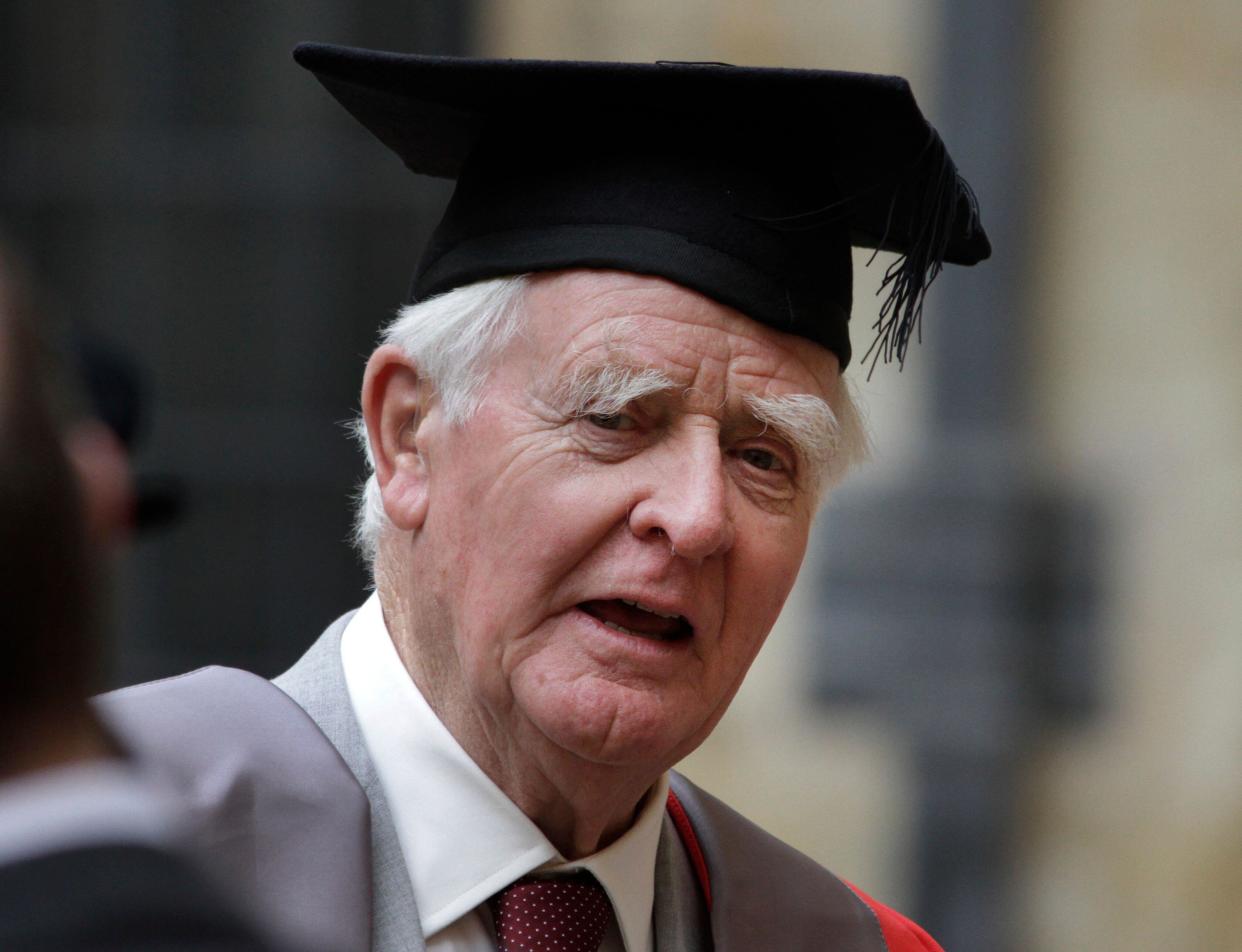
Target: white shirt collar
{"x":462,"y":838}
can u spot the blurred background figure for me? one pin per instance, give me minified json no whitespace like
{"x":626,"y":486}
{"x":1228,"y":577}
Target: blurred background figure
{"x":1009,"y":703}
{"x":101,"y":438}
{"x":45,"y":575}
{"x":86,"y":849}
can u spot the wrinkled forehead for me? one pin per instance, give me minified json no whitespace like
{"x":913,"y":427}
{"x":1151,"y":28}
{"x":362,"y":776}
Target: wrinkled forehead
{"x":585,"y":319}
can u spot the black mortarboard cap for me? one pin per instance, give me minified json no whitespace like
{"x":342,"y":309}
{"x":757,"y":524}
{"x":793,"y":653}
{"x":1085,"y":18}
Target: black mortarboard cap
{"x":748,"y":185}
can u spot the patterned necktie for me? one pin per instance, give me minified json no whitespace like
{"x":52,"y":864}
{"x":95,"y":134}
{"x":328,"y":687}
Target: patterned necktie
{"x":568,"y":914}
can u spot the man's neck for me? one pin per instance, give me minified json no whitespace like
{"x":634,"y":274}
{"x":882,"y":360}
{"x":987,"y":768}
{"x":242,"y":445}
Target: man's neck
{"x":580,"y":806}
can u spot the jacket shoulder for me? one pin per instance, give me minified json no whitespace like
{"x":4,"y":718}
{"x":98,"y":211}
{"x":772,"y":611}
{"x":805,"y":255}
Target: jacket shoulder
{"x":760,"y":884}
{"x":901,"y":934}
{"x":271,"y":808}
{"x":224,"y":719}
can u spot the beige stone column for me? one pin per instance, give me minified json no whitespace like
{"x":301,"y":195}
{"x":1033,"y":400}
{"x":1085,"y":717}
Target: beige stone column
{"x":1135,"y":833}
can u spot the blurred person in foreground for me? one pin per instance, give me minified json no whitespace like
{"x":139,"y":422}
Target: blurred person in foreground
{"x":88,"y":855}
{"x":598,"y":437}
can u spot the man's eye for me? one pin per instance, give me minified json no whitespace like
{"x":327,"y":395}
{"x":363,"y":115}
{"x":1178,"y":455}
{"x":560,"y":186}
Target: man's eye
{"x":612,"y":421}
{"x":761,"y":459}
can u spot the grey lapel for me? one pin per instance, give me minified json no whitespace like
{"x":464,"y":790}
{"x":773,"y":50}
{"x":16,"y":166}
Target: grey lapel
{"x":767,"y":895}
{"x":681,"y":923}
{"x":317,"y":683}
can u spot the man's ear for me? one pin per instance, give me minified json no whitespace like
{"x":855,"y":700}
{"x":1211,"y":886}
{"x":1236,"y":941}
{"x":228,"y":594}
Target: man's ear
{"x":395,"y":402}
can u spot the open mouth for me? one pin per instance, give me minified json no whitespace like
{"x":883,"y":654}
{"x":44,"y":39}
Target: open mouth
{"x":634,"y":618}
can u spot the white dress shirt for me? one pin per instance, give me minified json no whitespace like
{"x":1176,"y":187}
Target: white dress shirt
{"x":463,"y":840}
{"x":95,"y":803}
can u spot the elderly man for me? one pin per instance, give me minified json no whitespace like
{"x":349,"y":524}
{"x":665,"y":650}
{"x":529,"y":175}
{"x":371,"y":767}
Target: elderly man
{"x":598,"y":440}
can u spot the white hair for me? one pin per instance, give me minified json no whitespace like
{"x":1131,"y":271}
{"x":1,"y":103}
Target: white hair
{"x":453,"y":339}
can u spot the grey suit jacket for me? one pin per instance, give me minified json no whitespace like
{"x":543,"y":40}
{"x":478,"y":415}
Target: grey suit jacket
{"x":315,"y":787}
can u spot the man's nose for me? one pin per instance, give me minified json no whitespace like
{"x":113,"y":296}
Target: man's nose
{"x":688,"y":504}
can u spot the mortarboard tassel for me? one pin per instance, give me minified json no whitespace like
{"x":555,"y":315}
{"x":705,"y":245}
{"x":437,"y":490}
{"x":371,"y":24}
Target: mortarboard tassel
{"x":907,"y":279}
{"x":927,"y":240}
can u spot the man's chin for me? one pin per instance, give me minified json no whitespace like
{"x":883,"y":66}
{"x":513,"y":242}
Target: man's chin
{"x":616,"y":727}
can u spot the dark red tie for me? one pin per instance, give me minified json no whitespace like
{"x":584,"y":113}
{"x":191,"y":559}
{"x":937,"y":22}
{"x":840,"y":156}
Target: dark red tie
{"x":566,"y":914}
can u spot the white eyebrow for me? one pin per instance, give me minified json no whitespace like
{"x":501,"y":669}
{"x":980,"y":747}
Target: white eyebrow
{"x":808,"y":423}
{"x":609,"y":388}
{"x":805,"y":420}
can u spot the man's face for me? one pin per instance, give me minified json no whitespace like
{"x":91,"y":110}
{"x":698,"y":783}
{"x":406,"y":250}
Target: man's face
{"x":553,"y":523}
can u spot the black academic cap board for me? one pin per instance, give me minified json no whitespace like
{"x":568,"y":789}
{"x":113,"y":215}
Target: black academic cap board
{"x":746,"y":184}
